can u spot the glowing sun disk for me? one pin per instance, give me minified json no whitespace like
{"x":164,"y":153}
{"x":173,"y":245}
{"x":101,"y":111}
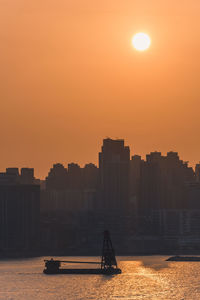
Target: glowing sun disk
{"x":141,"y":41}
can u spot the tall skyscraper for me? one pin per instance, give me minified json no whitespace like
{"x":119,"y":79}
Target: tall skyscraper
{"x":114,"y":161}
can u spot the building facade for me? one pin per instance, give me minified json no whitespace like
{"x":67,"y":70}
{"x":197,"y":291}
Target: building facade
{"x":19,"y":218}
{"x":114,"y":163}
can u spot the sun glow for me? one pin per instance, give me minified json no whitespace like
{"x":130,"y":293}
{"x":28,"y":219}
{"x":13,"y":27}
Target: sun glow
{"x":141,"y":41}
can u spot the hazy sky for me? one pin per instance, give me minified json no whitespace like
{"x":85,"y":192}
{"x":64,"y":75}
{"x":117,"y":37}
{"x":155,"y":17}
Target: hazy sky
{"x":69,"y":77}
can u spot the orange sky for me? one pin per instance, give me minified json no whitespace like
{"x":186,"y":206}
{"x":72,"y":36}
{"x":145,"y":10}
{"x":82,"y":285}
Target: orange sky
{"x":69,"y":77}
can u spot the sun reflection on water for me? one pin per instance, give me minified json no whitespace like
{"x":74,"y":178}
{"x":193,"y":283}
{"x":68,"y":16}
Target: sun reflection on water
{"x":143,"y":278}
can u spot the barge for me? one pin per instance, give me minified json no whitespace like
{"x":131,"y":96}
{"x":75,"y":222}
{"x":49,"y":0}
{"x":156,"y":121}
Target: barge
{"x":108,"y":264}
{"x":183,"y":258}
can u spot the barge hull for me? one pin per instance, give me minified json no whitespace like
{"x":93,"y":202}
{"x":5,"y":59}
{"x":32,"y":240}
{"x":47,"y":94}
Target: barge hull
{"x":84,"y":271}
{"x":184,"y":258}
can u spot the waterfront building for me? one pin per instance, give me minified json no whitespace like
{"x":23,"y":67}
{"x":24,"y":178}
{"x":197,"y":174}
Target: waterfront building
{"x":19,"y":217}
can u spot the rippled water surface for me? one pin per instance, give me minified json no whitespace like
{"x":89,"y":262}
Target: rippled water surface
{"x":149,"y":277}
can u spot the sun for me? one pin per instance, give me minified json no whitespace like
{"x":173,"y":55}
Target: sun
{"x":141,"y":41}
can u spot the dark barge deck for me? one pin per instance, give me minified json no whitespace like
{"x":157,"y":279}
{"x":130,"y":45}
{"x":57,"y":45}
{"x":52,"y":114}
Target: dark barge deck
{"x":183,"y":258}
{"x":84,"y":271}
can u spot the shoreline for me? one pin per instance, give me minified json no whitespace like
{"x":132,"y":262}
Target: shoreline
{"x":72,"y":254}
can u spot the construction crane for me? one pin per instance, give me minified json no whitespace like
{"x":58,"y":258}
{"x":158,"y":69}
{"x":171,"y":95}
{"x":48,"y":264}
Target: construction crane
{"x":108,"y":259}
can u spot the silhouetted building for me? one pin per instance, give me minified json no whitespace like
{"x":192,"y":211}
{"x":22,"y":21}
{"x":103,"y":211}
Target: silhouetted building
{"x":12,"y":171}
{"x":114,"y":175}
{"x":27,"y":176}
{"x":12,"y":176}
{"x":19,"y":218}
{"x":57,"y":178}
{"x":163,"y":182}
{"x":70,"y":190}
{"x":192,"y":196}
{"x":90,"y":176}
{"x":197,"y":172}
{"x":56,"y":201}
{"x":75,"y":176}
{"x":136,"y":165}
{"x":7,"y":179}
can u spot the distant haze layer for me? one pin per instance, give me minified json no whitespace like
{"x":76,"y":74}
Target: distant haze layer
{"x":69,"y":77}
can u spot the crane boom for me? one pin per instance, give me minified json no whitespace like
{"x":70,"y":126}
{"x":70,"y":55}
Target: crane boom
{"x":75,"y":262}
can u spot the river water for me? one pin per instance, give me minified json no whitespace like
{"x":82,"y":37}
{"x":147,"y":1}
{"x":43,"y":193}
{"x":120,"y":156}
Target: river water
{"x":149,"y":277}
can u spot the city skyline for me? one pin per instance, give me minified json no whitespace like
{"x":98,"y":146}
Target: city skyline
{"x":82,"y":164}
{"x":100,"y":155}
{"x":157,"y":197}
{"x":70,"y":76}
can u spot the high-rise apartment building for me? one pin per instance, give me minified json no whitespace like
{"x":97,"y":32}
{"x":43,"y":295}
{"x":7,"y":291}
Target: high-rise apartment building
{"x":19,"y":215}
{"x":27,"y":176}
{"x":57,"y":178}
{"x":114,"y":162}
{"x":163,"y":181}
